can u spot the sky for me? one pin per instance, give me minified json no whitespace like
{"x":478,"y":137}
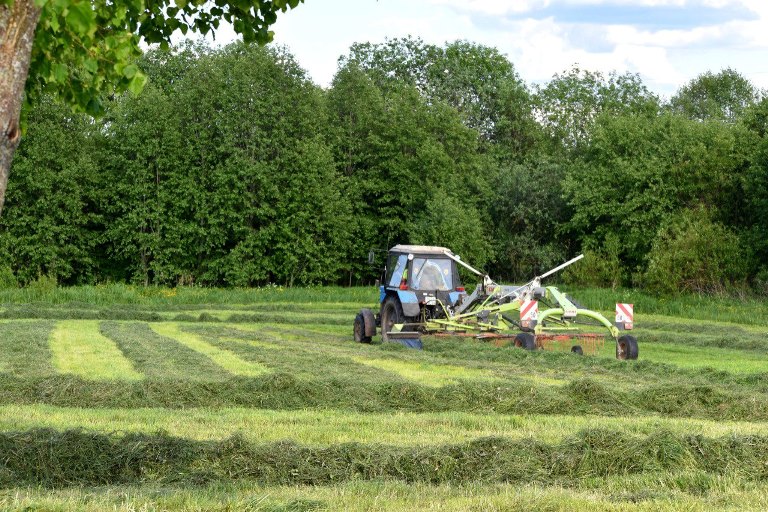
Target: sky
{"x":667,"y":42}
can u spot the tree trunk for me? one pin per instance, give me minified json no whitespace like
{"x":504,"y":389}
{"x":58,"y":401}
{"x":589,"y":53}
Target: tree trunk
{"x":17,"y":33}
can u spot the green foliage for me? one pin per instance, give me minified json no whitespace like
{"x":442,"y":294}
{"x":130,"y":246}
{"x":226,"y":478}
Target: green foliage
{"x":600,"y":267}
{"x":569,"y":104}
{"x":723,"y":96}
{"x":445,"y":221}
{"x":7,"y":278}
{"x":696,"y":255}
{"x":477,"y":81}
{"x":44,"y":284}
{"x":211,"y":197}
{"x":526,"y":212}
{"x":640,"y":170}
{"x":233,"y":169}
{"x":397,"y":150}
{"x":48,"y":224}
{"x":86,"y":50}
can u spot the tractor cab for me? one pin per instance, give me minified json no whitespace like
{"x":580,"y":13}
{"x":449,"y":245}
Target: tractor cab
{"x":419,"y":283}
{"x":421,"y":268}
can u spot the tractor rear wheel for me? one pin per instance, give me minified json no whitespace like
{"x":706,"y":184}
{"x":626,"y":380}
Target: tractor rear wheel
{"x":626,"y":347}
{"x":359,"y":330}
{"x":391,"y":314}
{"x":525,"y":340}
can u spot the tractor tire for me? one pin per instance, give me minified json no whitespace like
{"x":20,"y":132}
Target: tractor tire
{"x":359,"y":330}
{"x":391,"y":314}
{"x":576,"y":349}
{"x":626,"y":347}
{"x":525,"y":340}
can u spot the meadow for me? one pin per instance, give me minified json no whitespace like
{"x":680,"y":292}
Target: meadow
{"x":128,"y":398}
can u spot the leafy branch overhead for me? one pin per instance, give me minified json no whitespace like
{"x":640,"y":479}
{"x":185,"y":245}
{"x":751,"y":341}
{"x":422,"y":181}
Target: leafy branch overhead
{"x":84,"y":49}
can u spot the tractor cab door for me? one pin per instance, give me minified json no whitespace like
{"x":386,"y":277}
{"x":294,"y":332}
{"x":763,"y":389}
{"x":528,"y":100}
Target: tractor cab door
{"x":397,"y":270}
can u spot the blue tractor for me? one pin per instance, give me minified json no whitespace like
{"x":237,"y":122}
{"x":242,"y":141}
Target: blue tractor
{"x":419,"y":283}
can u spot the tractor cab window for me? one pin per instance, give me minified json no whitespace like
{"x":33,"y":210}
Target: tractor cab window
{"x":396,"y":267}
{"x":435,"y":274}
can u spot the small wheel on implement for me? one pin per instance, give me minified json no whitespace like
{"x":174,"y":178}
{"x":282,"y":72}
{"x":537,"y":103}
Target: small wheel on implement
{"x":525,"y":340}
{"x":359,"y":330}
{"x":626,"y":347}
{"x":576,"y":349}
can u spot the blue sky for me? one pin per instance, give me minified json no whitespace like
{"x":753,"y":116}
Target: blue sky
{"x":668,"y":42}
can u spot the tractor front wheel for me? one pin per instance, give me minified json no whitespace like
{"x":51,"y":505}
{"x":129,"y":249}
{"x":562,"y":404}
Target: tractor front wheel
{"x":626,"y":347}
{"x":391,"y":314}
{"x":525,"y":340}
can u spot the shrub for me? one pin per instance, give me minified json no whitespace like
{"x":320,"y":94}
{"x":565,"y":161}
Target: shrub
{"x":601,"y":267}
{"x":692,"y":253}
{"x":43,"y":284}
{"x":7,"y":278}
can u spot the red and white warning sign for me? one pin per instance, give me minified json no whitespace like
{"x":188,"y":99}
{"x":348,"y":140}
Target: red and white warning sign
{"x":625,"y":316}
{"x":529,"y":313}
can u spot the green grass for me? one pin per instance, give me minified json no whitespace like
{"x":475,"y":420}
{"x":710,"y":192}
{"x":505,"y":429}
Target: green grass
{"x":78,"y":348}
{"x":327,"y":427}
{"x":425,"y":373}
{"x":673,"y":492}
{"x":160,"y":357}
{"x":223,"y":358}
{"x":24,"y":350}
{"x":123,"y":398}
{"x":684,"y":356}
{"x":74,"y":457}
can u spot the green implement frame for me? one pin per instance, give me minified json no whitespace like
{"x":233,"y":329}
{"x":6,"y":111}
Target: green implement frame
{"x":494,"y":311}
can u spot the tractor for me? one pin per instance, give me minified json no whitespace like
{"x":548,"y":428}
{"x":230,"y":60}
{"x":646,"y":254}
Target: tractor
{"x":421,"y":294}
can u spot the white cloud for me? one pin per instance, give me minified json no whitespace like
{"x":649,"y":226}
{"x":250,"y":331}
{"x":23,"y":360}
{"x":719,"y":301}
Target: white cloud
{"x":320,"y":31}
{"x":493,"y":7}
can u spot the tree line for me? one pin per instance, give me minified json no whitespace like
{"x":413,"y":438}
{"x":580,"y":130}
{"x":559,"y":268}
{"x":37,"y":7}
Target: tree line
{"x":232,"y":168}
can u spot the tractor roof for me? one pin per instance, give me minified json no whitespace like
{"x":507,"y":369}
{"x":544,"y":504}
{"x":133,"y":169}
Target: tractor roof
{"x":420,"y":249}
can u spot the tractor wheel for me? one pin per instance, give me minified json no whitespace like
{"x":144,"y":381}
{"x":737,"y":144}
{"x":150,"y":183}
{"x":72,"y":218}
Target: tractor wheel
{"x":525,"y":340}
{"x":391,"y":314}
{"x":626,"y":347}
{"x":576,"y":349}
{"x":359,"y":331}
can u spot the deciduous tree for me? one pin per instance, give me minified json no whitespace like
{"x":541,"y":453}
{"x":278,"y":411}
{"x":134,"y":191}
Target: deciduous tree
{"x":82,"y":49}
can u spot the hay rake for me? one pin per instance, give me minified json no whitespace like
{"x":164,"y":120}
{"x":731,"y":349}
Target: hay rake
{"x":422,"y":295}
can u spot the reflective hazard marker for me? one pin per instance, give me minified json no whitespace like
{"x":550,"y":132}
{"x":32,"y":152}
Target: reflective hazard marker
{"x":625,"y":316}
{"x":529,"y":314}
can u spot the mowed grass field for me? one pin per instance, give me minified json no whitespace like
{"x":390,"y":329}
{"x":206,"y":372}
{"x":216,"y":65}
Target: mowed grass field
{"x":121,"y":398}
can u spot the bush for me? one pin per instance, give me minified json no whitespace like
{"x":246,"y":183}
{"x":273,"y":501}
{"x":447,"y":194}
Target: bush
{"x":600,"y":268}
{"x":43,"y":284}
{"x":7,"y":278}
{"x":692,"y":253}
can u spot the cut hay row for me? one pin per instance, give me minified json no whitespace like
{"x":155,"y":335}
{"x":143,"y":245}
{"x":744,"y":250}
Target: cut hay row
{"x":80,"y":349}
{"x":164,"y":298}
{"x":224,"y":358}
{"x":159,"y":357}
{"x":427,"y":374}
{"x":383,"y":392}
{"x":24,"y":349}
{"x":62,"y":458}
{"x":691,"y":491}
{"x":334,"y":426}
{"x":360,"y":370}
{"x":206,"y":315}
